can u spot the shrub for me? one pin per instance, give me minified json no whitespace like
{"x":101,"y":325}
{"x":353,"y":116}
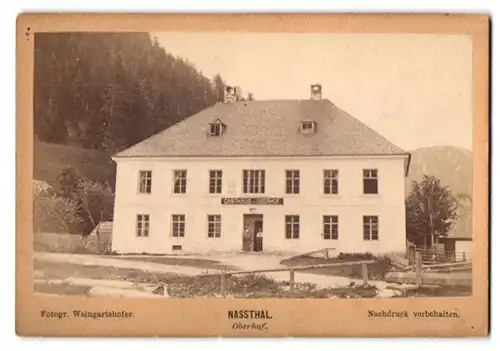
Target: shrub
{"x":52,"y":213}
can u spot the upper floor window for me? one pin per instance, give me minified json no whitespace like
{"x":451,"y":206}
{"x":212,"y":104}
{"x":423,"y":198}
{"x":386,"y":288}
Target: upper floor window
{"x":370,"y":181}
{"x":178,"y":225}
{"x":215,"y":182}
{"x":292,"y":182}
{"x":331,"y":227}
{"x":254,"y":181}
{"x":180,"y":181}
{"x":214,"y":226}
{"x":331,"y":181}
{"x":370,"y":228}
{"x":142,"y":225}
{"x":216,"y":128}
{"x":292,"y":227}
{"x":145,"y":181}
{"x":307,"y":126}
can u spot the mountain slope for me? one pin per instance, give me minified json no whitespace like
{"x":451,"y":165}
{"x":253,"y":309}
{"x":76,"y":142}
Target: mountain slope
{"x":50,"y":159}
{"x":453,"y":166}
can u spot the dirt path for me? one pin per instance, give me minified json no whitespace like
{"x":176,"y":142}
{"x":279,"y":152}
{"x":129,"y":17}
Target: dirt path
{"x":90,"y":260}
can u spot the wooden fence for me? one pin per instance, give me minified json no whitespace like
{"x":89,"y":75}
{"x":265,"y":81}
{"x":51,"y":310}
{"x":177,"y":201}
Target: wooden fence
{"x":434,"y":273}
{"x":364,"y":272}
{"x":436,"y":255}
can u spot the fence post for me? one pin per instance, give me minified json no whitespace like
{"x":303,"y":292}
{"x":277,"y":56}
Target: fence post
{"x":222,"y":283}
{"x":292,"y":281}
{"x":364,"y":274}
{"x":418,"y":268}
{"x":326,"y":254}
{"x":411,"y":255}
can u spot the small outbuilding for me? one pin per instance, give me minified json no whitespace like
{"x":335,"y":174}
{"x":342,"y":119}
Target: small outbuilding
{"x":457,"y":248}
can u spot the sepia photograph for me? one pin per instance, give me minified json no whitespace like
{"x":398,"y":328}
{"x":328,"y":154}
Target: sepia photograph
{"x":243,"y":165}
{"x":252,"y":175}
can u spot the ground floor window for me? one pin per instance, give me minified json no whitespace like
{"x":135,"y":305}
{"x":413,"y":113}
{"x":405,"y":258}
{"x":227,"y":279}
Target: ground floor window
{"x":142,"y":225}
{"x":292,"y":227}
{"x":370,"y":228}
{"x":330,"y":227}
{"x":178,"y":225}
{"x":214,"y":226}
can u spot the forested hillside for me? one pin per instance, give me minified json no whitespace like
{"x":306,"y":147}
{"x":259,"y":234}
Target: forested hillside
{"x":96,"y":94}
{"x":108,"y":91}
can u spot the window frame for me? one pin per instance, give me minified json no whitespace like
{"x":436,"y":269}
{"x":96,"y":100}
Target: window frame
{"x":217,"y":181}
{"x":216,"y":222}
{"x":183,"y":179}
{"x":292,"y":222}
{"x":307,"y":126}
{"x":333,"y":227}
{"x":216,"y":129}
{"x":292,"y":175}
{"x":370,"y":179}
{"x":373,"y":224}
{"x":145,"y":182}
{"x":178,"y":226}
{"x":332,"y":181}
{"x":142,"y":225}
{"x":254,"y":179}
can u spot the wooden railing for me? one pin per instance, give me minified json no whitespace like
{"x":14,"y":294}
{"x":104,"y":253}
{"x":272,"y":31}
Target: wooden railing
{"x":435,"y":273}
{"x":364,"y":272}
{"x":430,"y":255}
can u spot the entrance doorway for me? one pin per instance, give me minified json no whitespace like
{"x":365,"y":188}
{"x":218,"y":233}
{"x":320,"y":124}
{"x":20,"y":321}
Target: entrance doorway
{"x":253,"y":227}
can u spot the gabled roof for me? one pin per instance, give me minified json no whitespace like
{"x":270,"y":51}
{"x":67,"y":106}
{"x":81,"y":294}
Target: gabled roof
{"x":266,"y":128}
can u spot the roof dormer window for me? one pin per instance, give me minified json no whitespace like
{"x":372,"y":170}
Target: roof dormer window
{"x":216,"y":128}
{"x":307,"y":127}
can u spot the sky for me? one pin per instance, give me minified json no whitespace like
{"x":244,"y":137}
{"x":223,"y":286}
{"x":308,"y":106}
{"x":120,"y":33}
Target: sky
{"x":413,"y":89}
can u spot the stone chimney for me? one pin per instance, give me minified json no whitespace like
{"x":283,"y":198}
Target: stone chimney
{"x":238,"y":93}
{"x":229,"y":94}
{"x":316,"y":92}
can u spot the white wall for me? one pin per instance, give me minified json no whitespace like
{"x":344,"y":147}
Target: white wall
{"x":461,"y":247}
{"x":311,"y":204}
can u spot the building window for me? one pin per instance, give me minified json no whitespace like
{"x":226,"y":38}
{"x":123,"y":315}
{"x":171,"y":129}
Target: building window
{"x":216,"y":129}
{"x":292,"y":227}
{"x":142,"y":225}
{"x":145,"y":180}
{"x":292,"y":182}
{"x":370,"y":181}
{"x":178,"y":225}
{"x":331,"y":181}
{"x":330,"y":227}
{"x":180,"y":182}
{"x":307,"y":127}
{"x":254,"y":181}
{"x":215,"y":182}
{"x":370,"y":228}
{"x":214,"y":226}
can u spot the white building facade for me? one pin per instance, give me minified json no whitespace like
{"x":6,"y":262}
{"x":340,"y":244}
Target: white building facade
{"x":232,"y":195}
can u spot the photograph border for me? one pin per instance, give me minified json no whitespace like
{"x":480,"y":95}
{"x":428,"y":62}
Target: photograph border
{"x":290,"y":317}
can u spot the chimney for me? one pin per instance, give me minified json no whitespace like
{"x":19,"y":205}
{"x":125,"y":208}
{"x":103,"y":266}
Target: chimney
{"x":229,"y":94}
{"x":237,"y":93}
{"x":316,"y":92}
